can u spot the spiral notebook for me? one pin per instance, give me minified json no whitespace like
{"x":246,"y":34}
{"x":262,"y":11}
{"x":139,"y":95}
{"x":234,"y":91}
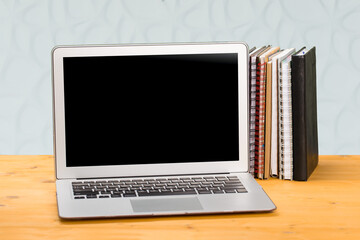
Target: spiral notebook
{"x":261,"y":110}
{"x":283,"y":117}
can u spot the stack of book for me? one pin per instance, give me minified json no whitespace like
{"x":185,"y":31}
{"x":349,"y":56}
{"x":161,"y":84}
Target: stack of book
{"x":283,"y":113}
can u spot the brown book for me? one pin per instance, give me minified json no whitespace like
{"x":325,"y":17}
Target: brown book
{"x":268,"y":116}
{"x":268,"y":120}
{"x":261,"y":110}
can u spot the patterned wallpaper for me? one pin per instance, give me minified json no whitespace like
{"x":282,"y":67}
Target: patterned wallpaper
{"x":29,"y":29}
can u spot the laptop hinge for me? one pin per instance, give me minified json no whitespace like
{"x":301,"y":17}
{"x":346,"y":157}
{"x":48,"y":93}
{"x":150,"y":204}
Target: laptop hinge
{"x":167,"y":175}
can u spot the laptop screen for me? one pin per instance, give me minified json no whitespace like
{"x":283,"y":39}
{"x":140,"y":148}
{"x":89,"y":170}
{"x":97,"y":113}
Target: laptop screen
{"x":151,"y":109}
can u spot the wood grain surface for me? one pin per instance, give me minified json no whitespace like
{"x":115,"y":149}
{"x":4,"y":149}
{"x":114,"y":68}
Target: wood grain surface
{"x":325,"y":207}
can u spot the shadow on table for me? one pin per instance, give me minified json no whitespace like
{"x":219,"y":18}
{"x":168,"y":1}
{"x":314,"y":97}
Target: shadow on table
{"x":202,"y":217}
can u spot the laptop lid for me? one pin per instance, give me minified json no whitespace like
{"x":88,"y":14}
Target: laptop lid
{"x":141,"y":110}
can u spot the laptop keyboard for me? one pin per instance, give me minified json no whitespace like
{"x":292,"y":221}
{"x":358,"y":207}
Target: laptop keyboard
{"x":157,"y":187}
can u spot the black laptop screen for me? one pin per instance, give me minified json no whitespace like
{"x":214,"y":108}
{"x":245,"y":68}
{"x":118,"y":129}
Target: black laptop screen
{"x":151,"y":109}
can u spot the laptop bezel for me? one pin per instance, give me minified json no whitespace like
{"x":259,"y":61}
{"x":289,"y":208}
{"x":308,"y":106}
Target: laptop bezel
{"x":64,"y":172}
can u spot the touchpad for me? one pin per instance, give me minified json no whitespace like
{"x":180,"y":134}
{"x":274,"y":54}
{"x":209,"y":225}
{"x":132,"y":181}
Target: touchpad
{"x":166,"y":204}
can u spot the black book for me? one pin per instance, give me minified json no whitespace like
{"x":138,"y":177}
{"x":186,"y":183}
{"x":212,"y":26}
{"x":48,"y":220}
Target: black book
{"x":305,"y":133}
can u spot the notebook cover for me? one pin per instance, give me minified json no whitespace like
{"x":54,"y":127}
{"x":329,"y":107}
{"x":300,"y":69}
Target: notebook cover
{"x":269,"y":124}
{"x":260,"y":119}
{"x":280,"y":58}
{"x":252,"y":105}
{"x":305,"y":133}
{"x":260,"y":110}
{"x":268,"y":120}
{"x":274,"y":158}
{"x":285,"y":128}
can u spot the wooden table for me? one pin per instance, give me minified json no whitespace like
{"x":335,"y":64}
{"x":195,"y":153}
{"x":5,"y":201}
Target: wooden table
{"x":325,"y":207}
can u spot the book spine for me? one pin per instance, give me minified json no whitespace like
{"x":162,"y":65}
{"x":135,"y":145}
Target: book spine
{"x":260,"y":119}
{"x":280,"y":125}
{"x":306,"y":156}
{"x":268,"y":113}
{"x":252,"y":115}
{"x":298,"y":103}
{"x":312,"y":150}
{"x":285,"y":122}
{"x":274,"y":122}
{"x":286,"y":130}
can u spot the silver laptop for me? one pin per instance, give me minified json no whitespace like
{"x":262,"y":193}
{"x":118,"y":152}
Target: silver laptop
{"x":153,"y":130}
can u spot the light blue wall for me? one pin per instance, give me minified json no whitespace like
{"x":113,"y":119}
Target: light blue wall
{"x":29,"y":29}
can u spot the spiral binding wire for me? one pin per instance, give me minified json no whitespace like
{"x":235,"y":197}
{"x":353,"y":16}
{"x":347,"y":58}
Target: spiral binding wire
{"x":285,"y":120}
{"x":252,"y":116}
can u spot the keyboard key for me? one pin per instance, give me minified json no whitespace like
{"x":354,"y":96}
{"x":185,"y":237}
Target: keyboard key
{"x":185,"y":178}
{"x":221,"y":178}
{"x":241,"y":190}
{"x":208,"y":177}
{"x":76,"y":182}
{"x":76,"y":192}
{"x":129,"y":195}
{"x":206,"y":184}
{"x":218,"y":185}
{"x":125,"y":182}
{"x":188,"y":181}
{"x":117,"y":192}
{"x":194,"y":178}
{"x":157,"y":187}
{"x":233,"y":177}
{"x":230,"y":191}
{"x":160,"y":184}
{"x":172,"y":179}
{"x":113,"y":181}
{"x":115,"y":195}
{"x":166,"y":193}
{"x":136,"y":180}
{"x":79,"y":184}
{"x":204,"y":192}
{"x":178,"y":190}
{"x":129,"y":192}
{"x":154,"y":191}
{"x":190,"y":191}
{"x":218,"y":191}
{"x":233,"y":185}
{"x":91,"y":196}
{"x":95,"y":184}
{"x":176,"y":181}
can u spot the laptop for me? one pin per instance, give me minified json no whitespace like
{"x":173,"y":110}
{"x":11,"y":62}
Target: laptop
{"x":150,"y":130}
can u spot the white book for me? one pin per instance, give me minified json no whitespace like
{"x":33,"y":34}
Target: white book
{"x":274,"y":170}
{"x":285,"y":124}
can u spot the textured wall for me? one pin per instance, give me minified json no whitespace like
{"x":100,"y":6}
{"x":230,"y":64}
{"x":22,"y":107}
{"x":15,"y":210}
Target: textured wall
{"x":29,"y":29}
